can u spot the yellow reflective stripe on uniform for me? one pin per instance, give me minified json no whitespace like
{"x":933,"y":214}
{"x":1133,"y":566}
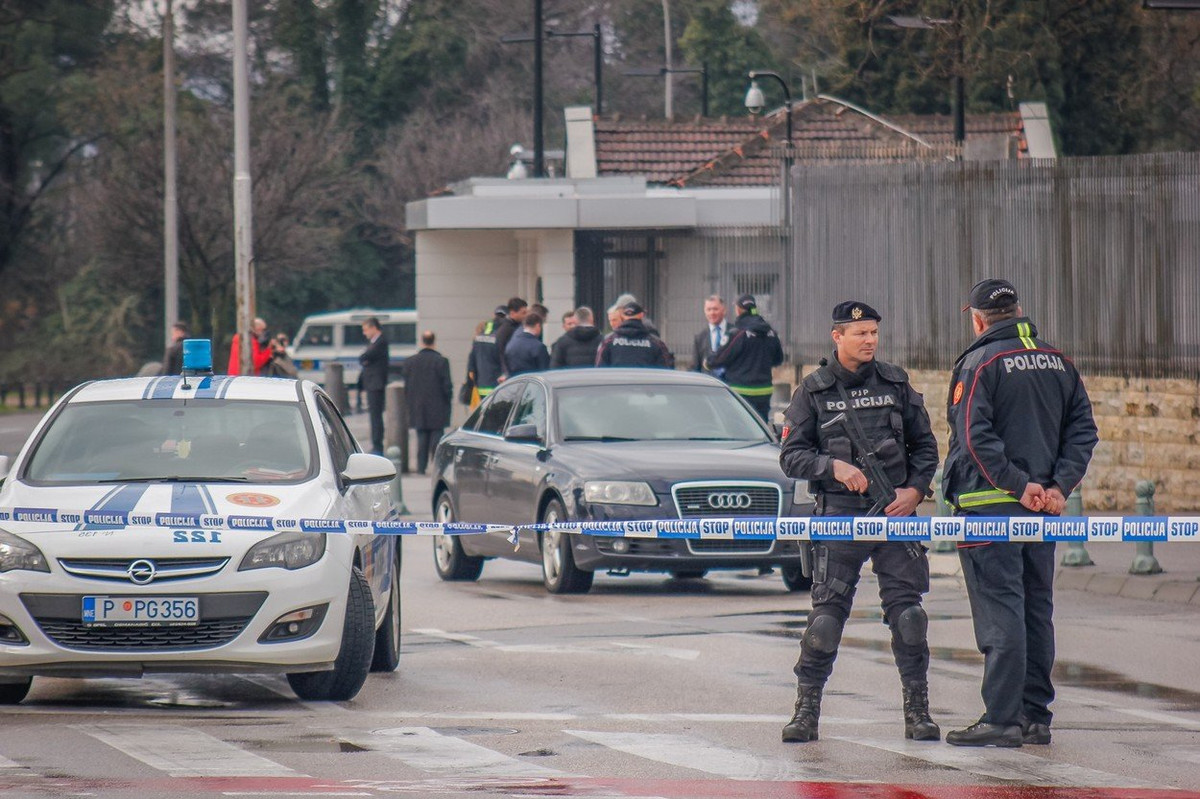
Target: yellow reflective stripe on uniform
{"x":483,"y":392}
{"x":747,"y":391}
{"x":1024,"y":332}
{"x":974,"y":499}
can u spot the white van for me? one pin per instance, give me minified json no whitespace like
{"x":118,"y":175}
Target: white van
{"x":337,"y":336}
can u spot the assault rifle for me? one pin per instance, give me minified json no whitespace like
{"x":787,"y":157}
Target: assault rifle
{"x":879,"y":485}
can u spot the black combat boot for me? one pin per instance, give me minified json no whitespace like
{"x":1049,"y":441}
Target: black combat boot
{"x":803,"y":726}
{"x":917,"y":724}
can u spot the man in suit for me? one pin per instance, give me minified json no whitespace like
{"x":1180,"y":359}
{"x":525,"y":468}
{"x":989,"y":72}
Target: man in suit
{"x":710,"y":340}
{"x":427,"y":393}
{"x":374,"y":378}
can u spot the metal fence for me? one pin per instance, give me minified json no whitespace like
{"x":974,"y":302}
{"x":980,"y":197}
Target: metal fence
{"x":1104,"y":252}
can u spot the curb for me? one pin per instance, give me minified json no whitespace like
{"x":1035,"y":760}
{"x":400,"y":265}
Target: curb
{"x":1129,"y":586}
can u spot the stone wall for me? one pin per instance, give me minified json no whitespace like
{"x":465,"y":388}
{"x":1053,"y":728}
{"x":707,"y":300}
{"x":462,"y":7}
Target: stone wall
{"x":1149,"y":430}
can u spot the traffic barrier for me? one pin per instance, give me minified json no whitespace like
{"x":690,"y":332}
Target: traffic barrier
{"x":969,"y":529}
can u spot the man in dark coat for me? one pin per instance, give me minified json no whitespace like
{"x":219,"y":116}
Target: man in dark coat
{"x":374,"y":378}
{"x":632,"y":344}
{"x":173,"y":360}
{"x":748,"y":357}
{"x":518,"y":309}
{"x":714,"y":335}
{"x":577,"y":346}
{"x":525,"y":351}
{"x":427,"y":393}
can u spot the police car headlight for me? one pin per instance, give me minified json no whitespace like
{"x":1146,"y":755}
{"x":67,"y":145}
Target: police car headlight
{"x":618,"y":492}
{"x":17,"y":553}
{"x":285,"y":551}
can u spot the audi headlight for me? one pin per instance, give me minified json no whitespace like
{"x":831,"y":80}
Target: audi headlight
{"x":285,"y":551}
{"x":618,"y":492}
{"x":17,"y":553}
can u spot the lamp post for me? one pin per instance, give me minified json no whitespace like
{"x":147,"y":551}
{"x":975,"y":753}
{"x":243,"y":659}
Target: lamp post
{"x":655,"y":72}
{"x":243,"y":239}
{"x":755,"y":102}
{"x":597,"y":36}
{"x":170,"y":197}
{"x":928,"y":24}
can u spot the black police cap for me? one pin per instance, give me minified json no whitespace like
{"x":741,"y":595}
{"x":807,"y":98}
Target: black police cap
{"x":746,"y":302}
{"x":631,"y":310}
{"x":991,"y":295}
{"x":854,"y":311}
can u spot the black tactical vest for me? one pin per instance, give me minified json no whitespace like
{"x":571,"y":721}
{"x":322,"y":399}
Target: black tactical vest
{"x":878,"y":402}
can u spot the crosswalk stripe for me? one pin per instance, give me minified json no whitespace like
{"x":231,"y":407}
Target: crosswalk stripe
{"x":430,"y":751}
{"x":1004,"y":764}
{"x":695,"y":753}
{"x":184,"y":752}
{"x":5,"y":763}
{"x":588,"y":648}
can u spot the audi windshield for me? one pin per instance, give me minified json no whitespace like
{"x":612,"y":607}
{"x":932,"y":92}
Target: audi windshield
{"x":655,"y":413}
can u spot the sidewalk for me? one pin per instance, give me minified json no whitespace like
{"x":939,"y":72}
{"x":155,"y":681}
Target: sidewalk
{"x":1179,"y":581}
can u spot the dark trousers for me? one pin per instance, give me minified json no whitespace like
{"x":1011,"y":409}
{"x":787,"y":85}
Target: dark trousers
{"x":762,"y":405}
{"x":375,"y":409}
{"x":427,"y":441}
{"x":903,"y":579}
{"x":1010,"y":587}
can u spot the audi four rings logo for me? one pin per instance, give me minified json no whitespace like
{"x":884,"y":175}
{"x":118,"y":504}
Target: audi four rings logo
{"x":729,"y":500}
{"x":141,"y":572}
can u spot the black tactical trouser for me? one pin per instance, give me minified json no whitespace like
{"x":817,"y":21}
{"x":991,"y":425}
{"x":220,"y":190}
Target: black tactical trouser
{"x":903,"y":571}
{"x":1011,"y":589}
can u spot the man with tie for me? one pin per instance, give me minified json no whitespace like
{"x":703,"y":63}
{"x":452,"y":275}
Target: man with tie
{"x":710,"y":340}
{"x":374,"y":373}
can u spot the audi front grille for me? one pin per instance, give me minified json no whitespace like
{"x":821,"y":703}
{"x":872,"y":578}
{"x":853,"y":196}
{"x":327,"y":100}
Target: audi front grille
{"x":725,"y":499}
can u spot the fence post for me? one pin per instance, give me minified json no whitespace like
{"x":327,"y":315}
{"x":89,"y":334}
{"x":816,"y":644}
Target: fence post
{"x":1076,"y":554}
{"x":942,"y":508}
{"x":393,"y":454}
{"x":395,"y":421}
{"x":1144,"y":561}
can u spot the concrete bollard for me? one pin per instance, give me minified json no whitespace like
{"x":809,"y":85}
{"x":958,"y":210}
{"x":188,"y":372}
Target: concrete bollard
{"x":942,"y":508}
{"x":1076,"y":554}
{"x":335,"y":386}
{"x":395,"y":422}
{"x":393,"y":454}
{"x":1144,"y":561}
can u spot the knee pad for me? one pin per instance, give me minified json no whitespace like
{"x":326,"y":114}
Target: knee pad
{"x":912,"y":623}
{"x":824,"y":633}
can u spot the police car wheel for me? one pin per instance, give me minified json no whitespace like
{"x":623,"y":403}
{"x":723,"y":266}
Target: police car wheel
{"x":794,"y":579}
{"x":13,"y":692}
{"x":559,"y":572}
{"x":354,"y":658}
{"x":387,"y":637}
{"x":450,"y":561}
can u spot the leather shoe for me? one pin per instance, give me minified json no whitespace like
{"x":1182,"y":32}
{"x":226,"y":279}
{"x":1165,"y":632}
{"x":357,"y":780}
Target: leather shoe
{"x":1035,"y":733}
{"x":981,"y":733}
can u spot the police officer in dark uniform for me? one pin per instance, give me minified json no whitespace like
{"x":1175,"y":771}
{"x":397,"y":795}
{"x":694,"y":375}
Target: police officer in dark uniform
{"x":748,"y":357}
{"x":1021,"y":437}
{"x":818,"y":448}
{"x":483,"y":364}
{"x":632,"y":343}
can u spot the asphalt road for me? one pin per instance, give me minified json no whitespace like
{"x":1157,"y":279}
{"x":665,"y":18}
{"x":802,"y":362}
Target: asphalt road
{"x":646,"y":687}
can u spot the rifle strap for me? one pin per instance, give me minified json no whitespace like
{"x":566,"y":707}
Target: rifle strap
{"x":851,"y":415}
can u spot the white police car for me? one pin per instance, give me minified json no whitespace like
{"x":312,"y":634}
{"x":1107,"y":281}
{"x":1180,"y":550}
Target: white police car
{"x":88,"y":588}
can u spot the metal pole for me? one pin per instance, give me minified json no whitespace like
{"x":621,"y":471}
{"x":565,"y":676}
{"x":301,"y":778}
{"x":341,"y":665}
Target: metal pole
{"x":243,"y":241}
{"x":1076,"y":554}
{"x":704,"y":88}
{"x":170,"y":201}
{"x":597,"y":66}
{"x":960,"y":114}
{"x":539,"y":144}
{"x":668,"y":98}
{"x":1144,"y":561}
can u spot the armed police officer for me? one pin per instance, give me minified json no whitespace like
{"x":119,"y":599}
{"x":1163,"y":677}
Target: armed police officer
{"x":859,"y":433}
{"x":1021,"y":438}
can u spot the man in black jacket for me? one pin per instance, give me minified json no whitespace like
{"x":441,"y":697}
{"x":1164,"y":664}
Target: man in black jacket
{"x":374,"y":378}
{"x":1021,"y":438}
{"x":856,"y":390}
{"x":518,"y":309}
{"x":631,"y":344}
{"x":525,"y":351}
{"x":577,"y":346}
{"x":428,"y":394}
{"x":749,"y":356}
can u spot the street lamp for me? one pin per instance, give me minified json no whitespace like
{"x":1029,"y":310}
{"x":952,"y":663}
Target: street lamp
{"x":755,"y":102}
{"x":928,"y":24}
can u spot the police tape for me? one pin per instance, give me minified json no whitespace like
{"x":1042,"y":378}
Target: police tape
{"x":801,"y":528}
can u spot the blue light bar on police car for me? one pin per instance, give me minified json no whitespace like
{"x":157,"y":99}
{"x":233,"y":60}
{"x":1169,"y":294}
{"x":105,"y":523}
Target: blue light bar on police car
{"x":197,"y":356}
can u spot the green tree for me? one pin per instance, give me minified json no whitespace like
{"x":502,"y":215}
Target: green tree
{"x":715,"y":38}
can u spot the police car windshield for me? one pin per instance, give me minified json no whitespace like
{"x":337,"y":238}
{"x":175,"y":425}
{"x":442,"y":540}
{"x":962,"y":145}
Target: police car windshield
{"x":655,"y":413}
{"x":174,"y":441}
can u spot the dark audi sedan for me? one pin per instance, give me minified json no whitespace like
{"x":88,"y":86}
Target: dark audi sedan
{"x":612,"y":444}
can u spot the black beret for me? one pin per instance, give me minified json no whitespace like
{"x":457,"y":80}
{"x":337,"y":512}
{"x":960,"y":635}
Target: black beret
{"x":992,"y":294}
{"x":854,"y":311}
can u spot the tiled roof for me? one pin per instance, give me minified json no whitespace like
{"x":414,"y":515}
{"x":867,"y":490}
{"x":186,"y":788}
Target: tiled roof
{"x":746,"y":151}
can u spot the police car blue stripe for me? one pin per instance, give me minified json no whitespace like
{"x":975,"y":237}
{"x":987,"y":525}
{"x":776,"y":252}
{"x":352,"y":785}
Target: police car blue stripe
{"x":150,"y":387}
{"x":211,"y":387}
{"x":165,"y":388}
{"x":186,"y":499}
{"x":123,"y":501}
{"x":225,"y":386}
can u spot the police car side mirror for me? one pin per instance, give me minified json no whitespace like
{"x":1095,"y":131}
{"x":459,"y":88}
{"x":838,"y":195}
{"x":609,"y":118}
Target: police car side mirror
{"x":363,"y":469}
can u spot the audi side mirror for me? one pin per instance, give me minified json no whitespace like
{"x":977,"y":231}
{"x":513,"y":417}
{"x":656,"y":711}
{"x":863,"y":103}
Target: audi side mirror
{"x":522,"y":432}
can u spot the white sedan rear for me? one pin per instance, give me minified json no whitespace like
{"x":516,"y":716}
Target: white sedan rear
{"x":103,"y":597}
